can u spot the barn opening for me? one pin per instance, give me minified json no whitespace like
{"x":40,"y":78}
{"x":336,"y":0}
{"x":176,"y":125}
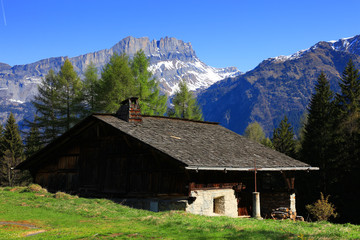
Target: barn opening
{"x":219,"y":205}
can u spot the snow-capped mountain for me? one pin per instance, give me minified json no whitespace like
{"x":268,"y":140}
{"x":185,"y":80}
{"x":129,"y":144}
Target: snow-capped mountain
{"x":197,"y":74}
{"x":277,"y":86}
{"x":348,"y":45}
{"x":170,"y":61}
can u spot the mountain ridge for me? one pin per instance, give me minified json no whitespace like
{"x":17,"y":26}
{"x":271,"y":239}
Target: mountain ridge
{"x":170,"y":61}
{"x":277,"y":86}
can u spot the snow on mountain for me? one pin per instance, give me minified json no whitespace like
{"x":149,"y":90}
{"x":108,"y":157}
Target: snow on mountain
{"x":294,"y":56}
{"x":171,"y":60}
{"x":350,"y":45}
{"x":197,"y":74}
{"x":278,"y":87}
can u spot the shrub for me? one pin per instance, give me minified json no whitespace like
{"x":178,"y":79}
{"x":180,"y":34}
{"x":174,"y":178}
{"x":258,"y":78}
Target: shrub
{"x":322,"y":209}
{"x":62,"y":195}
{"x":36,"y":188}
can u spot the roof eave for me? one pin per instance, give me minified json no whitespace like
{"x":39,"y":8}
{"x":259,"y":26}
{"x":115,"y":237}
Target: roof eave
{"x":199,"y":168}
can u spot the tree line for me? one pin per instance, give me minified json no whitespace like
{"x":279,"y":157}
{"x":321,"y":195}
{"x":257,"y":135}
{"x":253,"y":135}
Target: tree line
{"x":330,"y":140}
{"x":12,"y":152}
{"x":63,"y":100}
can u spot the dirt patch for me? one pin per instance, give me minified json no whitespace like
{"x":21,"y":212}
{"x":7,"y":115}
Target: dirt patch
{"x":12,"y":227}
{"x":116,"y":234}
{"x":32,"y":233}
{"x":22,"y":224}
{"x":135,"y":235}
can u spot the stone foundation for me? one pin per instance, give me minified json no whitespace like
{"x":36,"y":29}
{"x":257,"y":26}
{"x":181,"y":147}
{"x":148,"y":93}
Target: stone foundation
{"x":219,"y":202}
{"x":213,"y":202}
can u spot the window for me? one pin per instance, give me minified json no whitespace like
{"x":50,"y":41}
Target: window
{"x":219,"y":205}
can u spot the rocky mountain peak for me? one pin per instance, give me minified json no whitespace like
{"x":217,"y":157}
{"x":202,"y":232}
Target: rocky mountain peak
{"x":167,"y":48}
{"x":349,"y":45}
{"x":4,"y":66}
{"x":278,"y":86}
{"x":171,"y":60}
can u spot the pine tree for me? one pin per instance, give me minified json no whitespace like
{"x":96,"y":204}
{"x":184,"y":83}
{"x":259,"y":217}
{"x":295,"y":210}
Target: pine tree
{"x":33,"y":141}
{"x":116,"y":84}
{"x":348,"y":118}
{"x":69,"y":96}
{"x":90,"y":85}
{"x":316,"y":145}
{"x":185,"y":104}
{"x":147,"y":89}
{"x":346,"y":144}
{"x":47,"y":104}
{"x":12,"y":151}
{"x":283,"y":138}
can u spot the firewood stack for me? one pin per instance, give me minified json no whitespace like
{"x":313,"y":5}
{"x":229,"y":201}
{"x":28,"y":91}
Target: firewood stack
{"x":283,"y":213}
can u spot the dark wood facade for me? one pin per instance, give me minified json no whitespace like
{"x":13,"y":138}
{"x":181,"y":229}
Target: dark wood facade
{"x":101,"y":161}
{"x":106,"y":163}
{"x":130,"y":156}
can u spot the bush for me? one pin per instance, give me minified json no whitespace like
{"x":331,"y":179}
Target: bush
{"x":322,"y":209}
{"x":62,"y":195}
{"x":36,"y":188}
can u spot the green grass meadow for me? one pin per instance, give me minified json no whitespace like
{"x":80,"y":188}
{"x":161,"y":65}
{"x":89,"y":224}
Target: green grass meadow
{"x":62,"y":216}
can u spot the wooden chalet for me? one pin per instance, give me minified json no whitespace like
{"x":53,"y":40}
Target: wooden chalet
{"x":161,"y":163}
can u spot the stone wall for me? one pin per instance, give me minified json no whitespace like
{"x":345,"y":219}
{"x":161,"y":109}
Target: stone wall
{"x":203,"y":204}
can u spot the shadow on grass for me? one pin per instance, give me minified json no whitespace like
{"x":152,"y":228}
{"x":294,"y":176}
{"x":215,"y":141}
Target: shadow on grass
{"x":243,"y":234}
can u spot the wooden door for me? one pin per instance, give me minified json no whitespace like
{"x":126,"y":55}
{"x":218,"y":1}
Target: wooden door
{"x":244,"y":203}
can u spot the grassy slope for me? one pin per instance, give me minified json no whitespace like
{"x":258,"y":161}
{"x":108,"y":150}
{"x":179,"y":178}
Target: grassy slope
{"x":79,"y":218}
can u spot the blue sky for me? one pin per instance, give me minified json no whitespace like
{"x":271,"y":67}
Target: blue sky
{"x":223,"y":33}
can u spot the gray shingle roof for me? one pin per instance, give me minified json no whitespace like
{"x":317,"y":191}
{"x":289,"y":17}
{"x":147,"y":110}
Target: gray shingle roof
{"x":203,"y":145}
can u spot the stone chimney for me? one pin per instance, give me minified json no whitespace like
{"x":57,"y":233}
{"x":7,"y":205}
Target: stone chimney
{"x":130,"y":110}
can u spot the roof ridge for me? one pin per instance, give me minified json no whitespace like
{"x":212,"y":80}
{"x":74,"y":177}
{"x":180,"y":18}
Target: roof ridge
{"x":180,"y":119}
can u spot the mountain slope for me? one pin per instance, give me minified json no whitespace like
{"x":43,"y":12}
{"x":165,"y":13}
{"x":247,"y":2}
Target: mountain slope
{"x":277,"y":86}
{"x":170,"y":61}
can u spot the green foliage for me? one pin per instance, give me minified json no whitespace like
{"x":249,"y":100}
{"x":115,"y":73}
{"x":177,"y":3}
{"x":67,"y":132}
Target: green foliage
{"x":116,"y":84}
{"x":12,"y":150}
{"x":346,"y":145}
{"x":185,"y":104}
{"x":146,"y":87}
{"x":33,"y":140}
{"x":63,"y":99}
{"x":90,"y":85}
{"x":69,"y":96}
{"x":331,"y":141}
{"x":11,"y":138}
{"x":283,"y":138}
{"x":322,"y":209}
{"x":348,"y":118}
{"x":256,"y":133}
{"x":47,"y":106}
{"x":348,"y":100}
{"x":316,"y":146}
{"x":267,"y":142}
{"x":121,"y":79}
{"x":58,"y":104}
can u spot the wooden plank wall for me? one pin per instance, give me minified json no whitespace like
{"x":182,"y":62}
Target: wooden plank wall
{"x":102,"y":161}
